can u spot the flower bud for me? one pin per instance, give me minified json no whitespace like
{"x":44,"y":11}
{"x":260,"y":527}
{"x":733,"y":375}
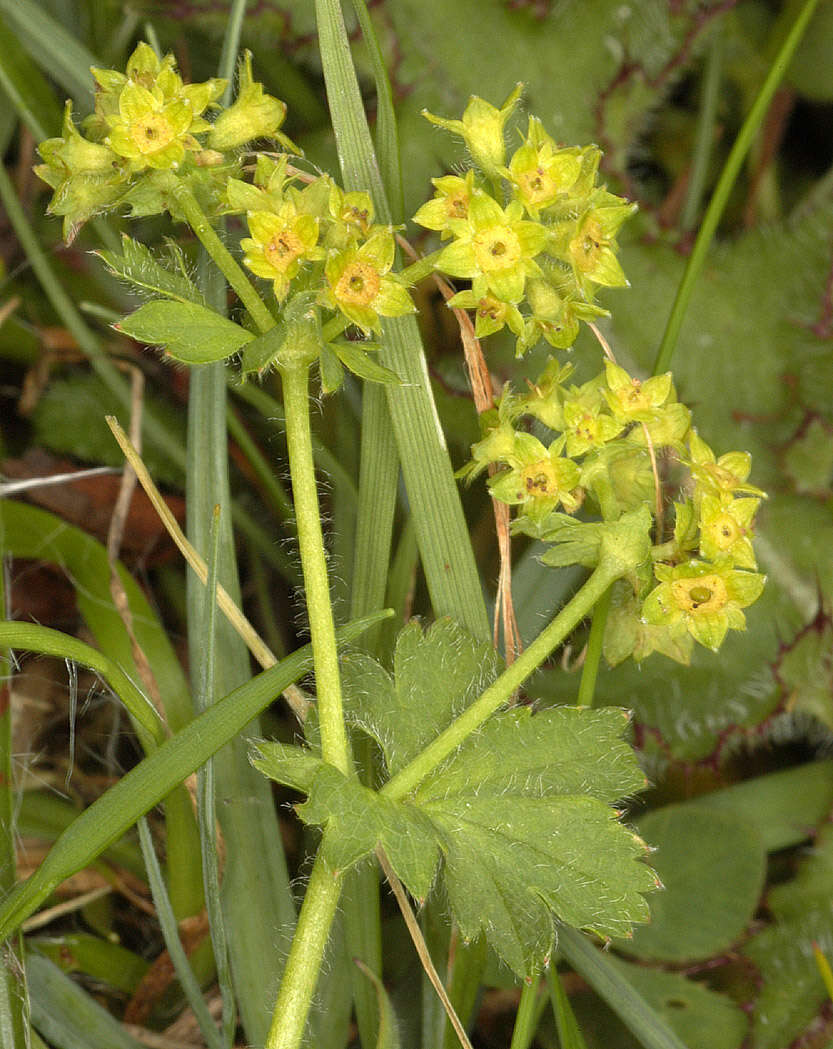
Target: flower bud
{"x":253,"y":115}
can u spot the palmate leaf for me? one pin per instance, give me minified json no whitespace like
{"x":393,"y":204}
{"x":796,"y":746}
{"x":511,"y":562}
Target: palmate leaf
{"x":520,"y":815}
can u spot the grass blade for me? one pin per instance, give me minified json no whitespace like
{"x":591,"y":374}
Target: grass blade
{"x":724,"y":185}
{"x":59,"y":54}
{"x":632,"y":1009}
{"x":144,"y":786}
{"x":66,"y":1015}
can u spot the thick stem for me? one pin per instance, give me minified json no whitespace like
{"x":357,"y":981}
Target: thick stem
{"x":334,"y":747}
{"x":305,"y":956}
{"x":222,"y":257}
{"x":512,"y":678}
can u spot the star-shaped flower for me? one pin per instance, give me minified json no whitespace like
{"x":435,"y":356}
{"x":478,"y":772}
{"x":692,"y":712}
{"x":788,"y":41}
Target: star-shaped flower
{"x":702,"y":599}
{"x":539,"y":479}
{"x":496,"y":245}
{"x":279,"y":244}
{"x":361,"y":286}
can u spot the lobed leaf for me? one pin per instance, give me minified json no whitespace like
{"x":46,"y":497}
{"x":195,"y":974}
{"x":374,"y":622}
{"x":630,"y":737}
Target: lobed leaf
{"x":520,"y":814}
{"x":139,"y":266}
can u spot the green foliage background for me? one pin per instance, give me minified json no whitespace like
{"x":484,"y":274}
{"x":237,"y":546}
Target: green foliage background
{"x":754,"y":362}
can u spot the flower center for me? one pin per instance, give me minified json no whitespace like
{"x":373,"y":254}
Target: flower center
{"x":497,"y":248}
{"x":536,"y":185}
{"x":725,"y":531}
{"x":457,"y":207}
{"x":539,"y":480}
{"x":283,"y":249}
{"x":700,"y":596}
{"x":586,"y":247}
{"x":151,"y":133}
{"x":358,"y":285}
{"x":491,"y":308}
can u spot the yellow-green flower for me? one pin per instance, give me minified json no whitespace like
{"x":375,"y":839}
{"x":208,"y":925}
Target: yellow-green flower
{"x":254,"y":114}
{"x":449,"y":203}
{"x":482,"y":129}
{"x":496,"y":245}
{"x":280,"y":242}
{"x":634,"y":400}
{"x":592,"y":247}
{"x":153,"y":118}
{"x":490,"y":313}
{"x":352,"y":211}
{"x":721,"y":476}
{"x":360,"y":285}
{"x":587,"y":425}
{"x":704,"y":600}
{"x":540,"y":173}
{"x":726,"y":529}
{"x":539,"y":478}
{"x":555,"y":314}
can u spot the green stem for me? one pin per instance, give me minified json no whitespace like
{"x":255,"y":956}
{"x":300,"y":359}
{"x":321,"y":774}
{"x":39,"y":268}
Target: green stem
{"x":704,"y":138}
{"x":527,"y":1016}
{"x":334,"y":747}
{"x":590,"y":670}
{"x":305,"y":956}
{"x":512,"y":678}
{"x":222,"y":257}
{"x":730,"y":172}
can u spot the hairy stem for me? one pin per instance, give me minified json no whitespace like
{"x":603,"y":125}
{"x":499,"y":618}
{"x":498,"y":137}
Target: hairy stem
{"x":222,"y":257}
{"x":305,"y":956}
{"x":512,"y":678}
{"x":334,"y":746}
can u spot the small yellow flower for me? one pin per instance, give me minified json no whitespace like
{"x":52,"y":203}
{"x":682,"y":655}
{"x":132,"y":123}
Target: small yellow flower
{"x":449,"y":203}
{"x":721,"y":476}
{"x":360,"y":285}
{"x":704,"y":600}
{"x":280,"y":242}
{"x":726,"y":529}
{"x":495,"y":244}
{"x":540,"y":478}
{"x":152,"y":117}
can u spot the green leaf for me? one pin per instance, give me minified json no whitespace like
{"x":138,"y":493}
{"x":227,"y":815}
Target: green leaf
{"x":140,"y":267}
{"x":388,"y":1031}
{"x":700,"y":1017}
{"x":521,"y":812}
{"x":190,"y":333}
{"x":692,"y":845}
{"x":792,"y":989}
{"x":436,"y":675}
{"x":357,"y":360}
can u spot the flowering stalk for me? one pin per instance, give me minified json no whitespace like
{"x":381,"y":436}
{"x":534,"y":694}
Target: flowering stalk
{"x":225,"y":262}
{"x":305,"y":956}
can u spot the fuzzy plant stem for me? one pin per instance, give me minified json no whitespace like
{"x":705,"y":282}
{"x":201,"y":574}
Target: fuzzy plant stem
{"x":334,"y":746}
{"x":305,"y":957}
{"x":226,"y":263}
{"x":511,"y":679}
{"x":324,"y":888}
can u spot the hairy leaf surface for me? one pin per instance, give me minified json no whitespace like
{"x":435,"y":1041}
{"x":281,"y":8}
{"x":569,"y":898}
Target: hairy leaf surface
{"x":521,"y":814}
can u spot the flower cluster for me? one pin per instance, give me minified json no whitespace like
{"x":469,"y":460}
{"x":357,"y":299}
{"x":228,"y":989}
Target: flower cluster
{"x":311,"y":236}
{"x":148,"y":124}
{"x":617,"y":443}
{"x":536,"y":235}
{"x":149,"y":146}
